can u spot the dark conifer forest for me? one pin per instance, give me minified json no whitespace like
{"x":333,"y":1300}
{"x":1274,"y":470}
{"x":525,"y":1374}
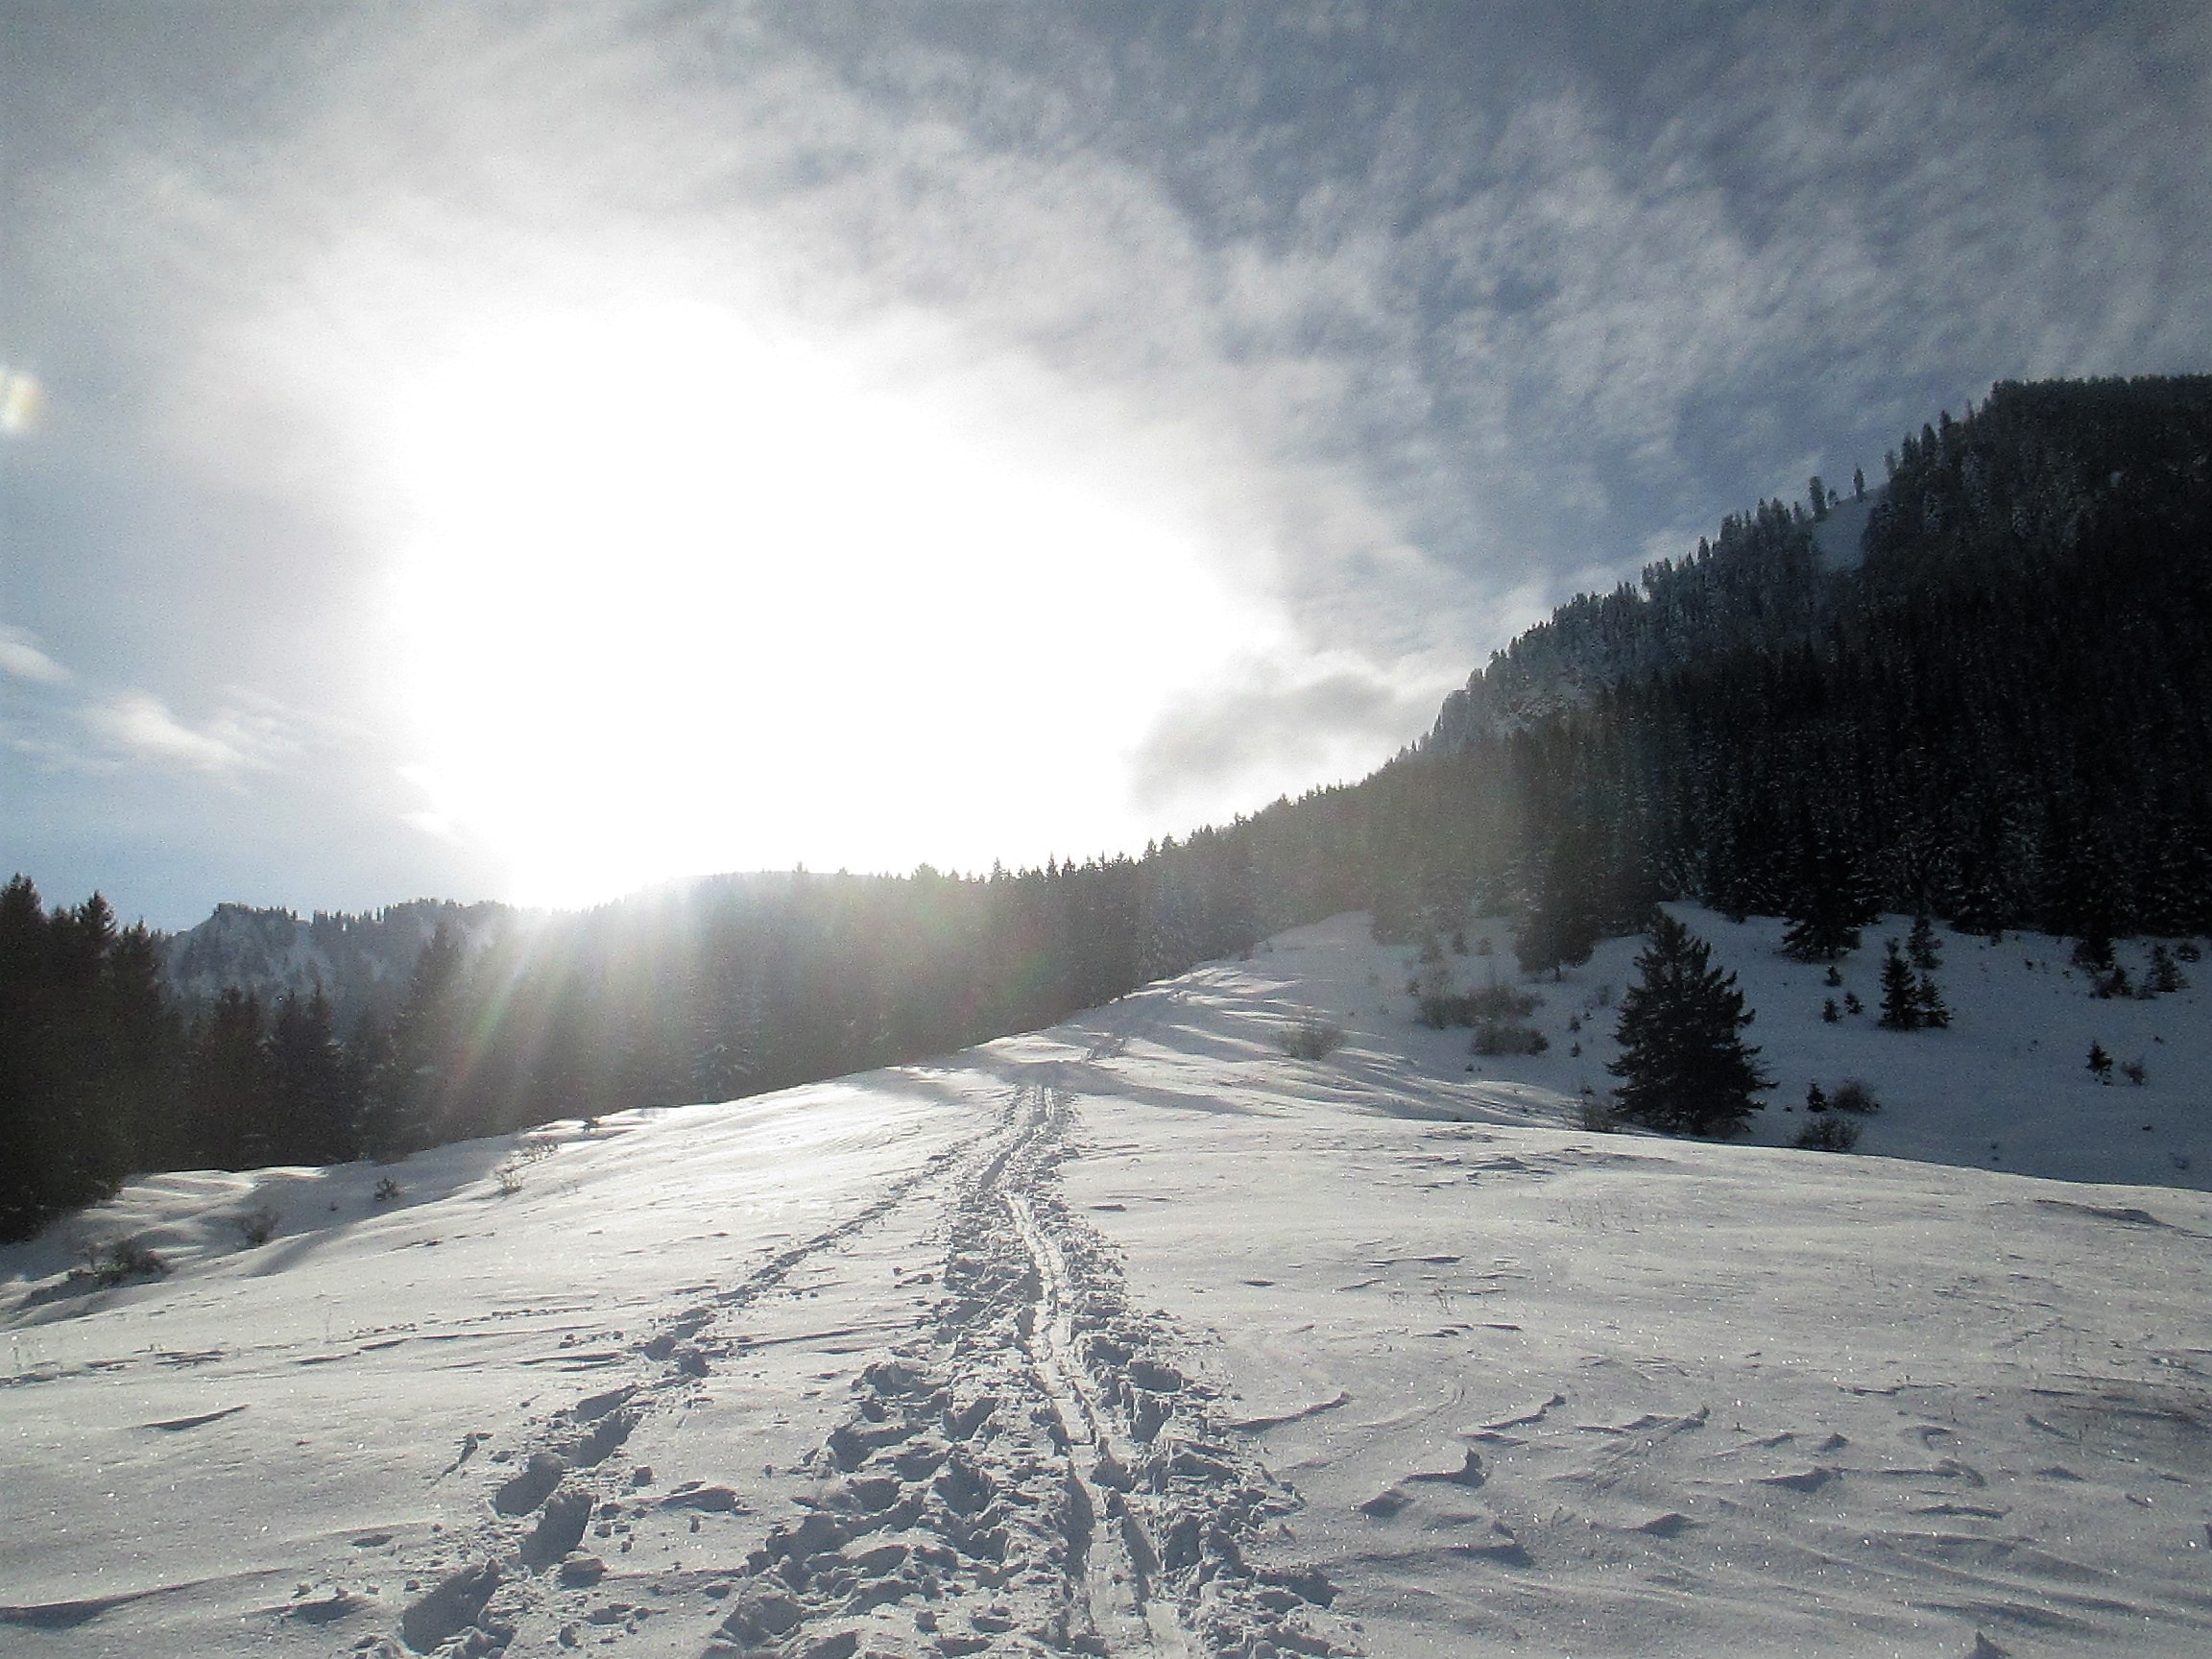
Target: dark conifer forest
{"x":1996,"y":708}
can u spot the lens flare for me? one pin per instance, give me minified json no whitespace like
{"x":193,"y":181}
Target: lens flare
{"x":21,"y":398}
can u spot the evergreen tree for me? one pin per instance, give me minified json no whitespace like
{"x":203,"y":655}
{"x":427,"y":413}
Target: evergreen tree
{"x":1830,"y":902}
{"x":1684,"y":1066}
{"x":1934,"y":1012}
{"x":26,"y":1066}
{"x":313,"y":1102}
{"x":1559,"y":928}
{"x":1921,"y":945}
{"x":1901,"y":1008}
{"x":414,"y":1087}
{"x":2163,"y":976}
{"x":228,"y":1085}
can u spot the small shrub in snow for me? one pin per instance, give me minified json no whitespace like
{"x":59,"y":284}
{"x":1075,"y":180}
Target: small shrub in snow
{"x":1854,"y":1096}
{"x":1502,"y":1002}
{"x":1828,"y":1134}
{"x":2187,"y":950}
{"x":1492,"y":1003}
{"x":119,"y":1262}
{"x":1852,"y":1005}
{"x":1495,"y":1037}
{"x":1828,"y":1011}
{"x":509,"y":1177}
{"x":1816,"y":1098}
{"x":1597,"y":1115}
{"x":387,"y":1190}
{"x":2099,"y":1063}
{"x":1311,"y":1039}
{"x":2132,"y":1070}
{"x":258,"y":1225}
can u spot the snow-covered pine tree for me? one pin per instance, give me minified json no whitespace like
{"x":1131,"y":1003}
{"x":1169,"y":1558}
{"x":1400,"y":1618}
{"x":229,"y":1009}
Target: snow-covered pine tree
{"x":1684,"y":1066}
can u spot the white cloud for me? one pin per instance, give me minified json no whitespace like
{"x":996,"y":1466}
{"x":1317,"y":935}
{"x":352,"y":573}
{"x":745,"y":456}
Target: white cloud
{"x":1413,"y":352}
{"x":1270,"y":735}
{"x":21,"y":658}
{"x":139,"y":726}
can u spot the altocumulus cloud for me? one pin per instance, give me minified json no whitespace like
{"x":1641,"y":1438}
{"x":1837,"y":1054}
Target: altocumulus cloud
{"x":1427,"y":315}
{"x":22,"y":659}
{"x":138,"y":726}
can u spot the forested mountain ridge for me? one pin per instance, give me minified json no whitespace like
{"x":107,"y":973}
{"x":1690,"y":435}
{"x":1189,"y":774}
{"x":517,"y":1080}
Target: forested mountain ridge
{"x":361,"y":962}
{"x":2000,"y":714}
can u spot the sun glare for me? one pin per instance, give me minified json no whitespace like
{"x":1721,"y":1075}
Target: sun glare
{"x":679,"y":595}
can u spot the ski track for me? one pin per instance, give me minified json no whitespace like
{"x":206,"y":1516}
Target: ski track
{"x":1025,"y":1471}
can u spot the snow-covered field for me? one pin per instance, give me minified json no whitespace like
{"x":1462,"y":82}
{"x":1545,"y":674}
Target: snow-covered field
{"x":1138,"y":1336}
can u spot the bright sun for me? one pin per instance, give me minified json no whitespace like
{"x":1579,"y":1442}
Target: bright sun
{"x":679,"y":595}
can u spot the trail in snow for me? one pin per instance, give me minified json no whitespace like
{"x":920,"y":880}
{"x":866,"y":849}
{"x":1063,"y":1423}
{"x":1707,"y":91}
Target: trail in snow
{"x":1027,"y":1470}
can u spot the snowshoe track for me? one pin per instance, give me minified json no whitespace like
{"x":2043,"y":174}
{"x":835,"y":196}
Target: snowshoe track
{"x":546,"y":1494}
{"x":1031,"y":1472}
{"x":1033,"y":1475}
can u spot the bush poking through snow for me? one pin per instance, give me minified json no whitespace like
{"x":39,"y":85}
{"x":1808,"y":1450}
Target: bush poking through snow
{"x":1595,"y":1116}
{"x":1494,"y":1037}
{"x":1854,"y":1096}
{"x":508,"y":1176}
{"x":258,"y":1225}
{"x":1311,"y":1039}
{"x":1828,"y":1134}
{"x":119,"y":1262}
{"x":387,"y":1190}
{"x":2132,"y":1070}
{"x":1491,"y":1004}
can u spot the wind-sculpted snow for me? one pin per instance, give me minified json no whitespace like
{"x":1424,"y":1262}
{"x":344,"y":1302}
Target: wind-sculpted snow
{"x":1140,"y":1336}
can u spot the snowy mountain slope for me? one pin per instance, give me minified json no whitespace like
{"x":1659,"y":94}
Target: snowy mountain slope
{"x":360,"y":962}
{"x":2007,"y":1086}
{"x":1134,"y":1336}
{"x":1840,"y":535}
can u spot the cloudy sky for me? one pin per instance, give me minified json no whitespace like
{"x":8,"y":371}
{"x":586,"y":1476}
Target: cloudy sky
{"x":531,"y":452}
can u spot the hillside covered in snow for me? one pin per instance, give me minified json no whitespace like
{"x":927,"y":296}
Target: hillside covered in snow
{"x":1140,"y":1335}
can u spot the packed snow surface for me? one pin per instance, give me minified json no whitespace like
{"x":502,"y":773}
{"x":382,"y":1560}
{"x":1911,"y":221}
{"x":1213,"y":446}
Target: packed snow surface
{"x":1140,"y":1335}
